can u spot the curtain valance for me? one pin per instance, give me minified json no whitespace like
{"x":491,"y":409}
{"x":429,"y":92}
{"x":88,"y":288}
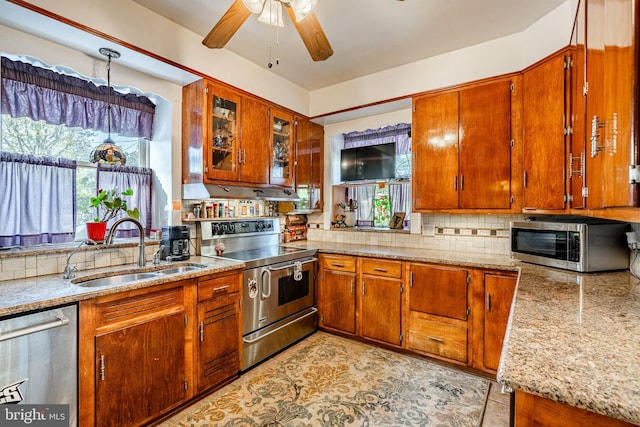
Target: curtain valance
{"x":42,"y":94}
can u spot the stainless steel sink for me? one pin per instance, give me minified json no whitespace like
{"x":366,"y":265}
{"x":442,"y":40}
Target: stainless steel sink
{"x":121,"y":279}
{"x":180,"y":269}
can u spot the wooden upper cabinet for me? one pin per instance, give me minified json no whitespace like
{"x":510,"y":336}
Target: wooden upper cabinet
{"x":282,"y":154}
{"x":462,"y":148}
{"x":611,"y":115}
{"x":222,"y":142}
{"x":485,"y":146}
{"x":309,"y":164}
{"x":575,"y":112}
{"x":435,"y":151}
{"x":254,"y":152}
{"x":544,"y":134}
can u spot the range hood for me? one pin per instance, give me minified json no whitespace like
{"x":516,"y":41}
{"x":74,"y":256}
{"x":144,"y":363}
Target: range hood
{"x":199,"y":191}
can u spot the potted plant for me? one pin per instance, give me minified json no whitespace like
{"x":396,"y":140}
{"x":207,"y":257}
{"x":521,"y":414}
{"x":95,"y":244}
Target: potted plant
{"x":109,"y":204}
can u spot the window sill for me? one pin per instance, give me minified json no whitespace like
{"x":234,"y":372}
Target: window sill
{"x":63,"y":248}
{"x":373,"y":229}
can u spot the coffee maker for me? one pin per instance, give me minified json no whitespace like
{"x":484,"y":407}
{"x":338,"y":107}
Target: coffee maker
{"x":175,"y":242}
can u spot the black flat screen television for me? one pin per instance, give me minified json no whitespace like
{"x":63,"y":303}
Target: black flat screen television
{"x":372,"y":162}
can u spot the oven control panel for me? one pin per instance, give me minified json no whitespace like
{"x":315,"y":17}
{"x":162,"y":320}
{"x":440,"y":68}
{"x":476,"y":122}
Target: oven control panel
{"x":211,"y":229}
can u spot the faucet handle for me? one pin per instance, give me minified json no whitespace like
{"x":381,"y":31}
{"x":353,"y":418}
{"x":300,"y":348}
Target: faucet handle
{"x":69,"y":271}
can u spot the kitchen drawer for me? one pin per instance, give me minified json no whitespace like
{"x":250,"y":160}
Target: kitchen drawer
{"x":218,"y":287}
{"x":338,"y":262}
{"x":379,"y":267}
{"x":440,"y":339}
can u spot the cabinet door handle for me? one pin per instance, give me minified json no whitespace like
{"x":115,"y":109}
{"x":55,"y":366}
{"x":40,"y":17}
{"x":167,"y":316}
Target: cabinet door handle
{"x":525,"y":180}
{"x":201,"y":331}
{"x":461,"y":182}
{"x":440,"y":340}
{"x":353,"y":286}
{"x":455,"y":183}
{"x":381,"y":270}
{"x":488,"y":302}
{"x":363,"y":287}
{"x":239,"y":156}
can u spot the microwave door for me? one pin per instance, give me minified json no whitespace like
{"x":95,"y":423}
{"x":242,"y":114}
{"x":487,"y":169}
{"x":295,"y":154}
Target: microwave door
{"x":547,"y":247}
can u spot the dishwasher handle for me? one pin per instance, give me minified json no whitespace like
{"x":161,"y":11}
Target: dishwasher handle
{"x":62,"y":320}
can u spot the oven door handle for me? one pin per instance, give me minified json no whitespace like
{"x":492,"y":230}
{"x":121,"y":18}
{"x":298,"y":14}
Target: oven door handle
{"x":251,"y":341}
{"x":265,"y":282}
{"x":292,"y":265}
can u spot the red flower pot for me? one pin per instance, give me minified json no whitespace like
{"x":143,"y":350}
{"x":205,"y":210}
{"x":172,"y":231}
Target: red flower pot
{"x":96,"y":231}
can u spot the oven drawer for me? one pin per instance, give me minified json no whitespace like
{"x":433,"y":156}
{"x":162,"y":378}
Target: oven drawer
{"x":338,"y":262}
{"x":218,"y":287}
{"x":384,"y":268}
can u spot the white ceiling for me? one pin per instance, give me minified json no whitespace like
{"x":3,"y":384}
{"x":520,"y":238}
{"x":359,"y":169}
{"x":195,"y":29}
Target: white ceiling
{"x":367,"y":36}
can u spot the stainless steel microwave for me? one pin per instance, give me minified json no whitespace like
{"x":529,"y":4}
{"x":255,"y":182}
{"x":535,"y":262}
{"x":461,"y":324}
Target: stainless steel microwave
{"x":583,"y":245}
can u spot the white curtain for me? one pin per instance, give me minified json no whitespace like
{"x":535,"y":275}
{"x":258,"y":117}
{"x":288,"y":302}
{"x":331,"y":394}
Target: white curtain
{"x":364,"y":195}
{"x":137,"y":179}
{"x":400,"y":197}
{"x":37,"y":200}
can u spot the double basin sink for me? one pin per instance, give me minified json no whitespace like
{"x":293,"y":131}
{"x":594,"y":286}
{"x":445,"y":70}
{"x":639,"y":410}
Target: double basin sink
{"x":124,"y":278}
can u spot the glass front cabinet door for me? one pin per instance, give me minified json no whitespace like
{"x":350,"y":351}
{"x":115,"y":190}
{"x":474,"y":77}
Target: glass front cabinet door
{"x":222,"y":150}
{"x":281,"y":170}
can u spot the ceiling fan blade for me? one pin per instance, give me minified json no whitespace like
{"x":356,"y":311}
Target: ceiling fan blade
{"x":227,"y":26}
{"x":312,"y":35}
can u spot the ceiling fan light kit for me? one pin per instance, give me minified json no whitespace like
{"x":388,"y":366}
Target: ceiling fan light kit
{"x":272,"y":13}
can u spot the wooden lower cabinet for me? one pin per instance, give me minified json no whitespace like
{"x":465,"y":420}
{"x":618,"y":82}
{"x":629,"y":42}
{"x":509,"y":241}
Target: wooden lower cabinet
{"x":499,"y":290}
{"x":141,"y":355}
{"x":134,"y":355}
{"x":451,"y":313}
{"x":336,"y":293}
{"x":537,"y":411}
{"x":380,"y":305}
{"x":135,"y":360}
{"x":218,"y":331}
{"x":438,"y":304}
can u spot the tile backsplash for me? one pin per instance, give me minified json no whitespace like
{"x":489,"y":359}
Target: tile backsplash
{"x":52,"y":261}
{"x":488,"y":234}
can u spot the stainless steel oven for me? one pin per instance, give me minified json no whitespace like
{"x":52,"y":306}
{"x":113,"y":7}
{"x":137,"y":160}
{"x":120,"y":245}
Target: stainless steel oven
{"x":278,"y":305}
{"x":279,"y":284}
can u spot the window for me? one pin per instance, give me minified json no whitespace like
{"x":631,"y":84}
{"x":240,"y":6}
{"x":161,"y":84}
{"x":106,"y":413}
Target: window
{"x":377,"y":202}
{"x":64,"y":117}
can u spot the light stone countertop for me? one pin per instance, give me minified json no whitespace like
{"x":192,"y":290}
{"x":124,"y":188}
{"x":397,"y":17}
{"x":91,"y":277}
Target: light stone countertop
{"x":575,"y":338}
{"x":35,"y":293}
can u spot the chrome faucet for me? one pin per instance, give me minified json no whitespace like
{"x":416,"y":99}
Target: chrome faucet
{"x":142,"y":260}
{"x":70,"y":270}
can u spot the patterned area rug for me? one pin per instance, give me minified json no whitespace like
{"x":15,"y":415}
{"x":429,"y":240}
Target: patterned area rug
{"x":327,"y":380}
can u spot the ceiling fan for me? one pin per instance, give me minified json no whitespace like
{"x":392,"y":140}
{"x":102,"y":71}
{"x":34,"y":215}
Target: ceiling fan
{"x":301,"y":14}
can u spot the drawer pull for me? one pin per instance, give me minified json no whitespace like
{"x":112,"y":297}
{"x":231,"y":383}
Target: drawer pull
{"x":381,"y":270}
{"x":335,"y":264}
{"x":220,"y":288}
{"x":440,"y":340}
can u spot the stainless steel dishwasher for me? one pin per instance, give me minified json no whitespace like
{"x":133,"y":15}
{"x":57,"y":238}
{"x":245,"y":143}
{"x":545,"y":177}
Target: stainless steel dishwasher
{"x":39,"y":359}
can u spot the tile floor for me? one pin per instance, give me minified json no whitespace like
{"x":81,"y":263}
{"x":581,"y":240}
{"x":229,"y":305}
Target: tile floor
{"x":496,"y":413}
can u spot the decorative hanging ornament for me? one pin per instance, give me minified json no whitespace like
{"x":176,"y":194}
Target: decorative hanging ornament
{"x":108,"y":152}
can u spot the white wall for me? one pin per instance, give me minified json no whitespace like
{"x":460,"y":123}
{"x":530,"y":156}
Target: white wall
{"x":500,"y":56}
